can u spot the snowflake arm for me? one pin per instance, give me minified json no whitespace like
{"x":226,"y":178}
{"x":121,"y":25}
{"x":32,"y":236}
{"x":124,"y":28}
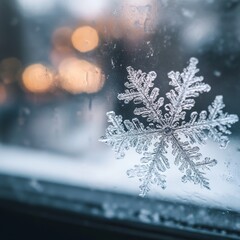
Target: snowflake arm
{"x":186,"y":86}
{"x":139,"y":91}
{"x":214,"y":124}
{"x":150,"y":171}
{"x":186,"y":156}
{"x":206,"y":163}
{"x":121,"y":135}
{"x":169,"y":129}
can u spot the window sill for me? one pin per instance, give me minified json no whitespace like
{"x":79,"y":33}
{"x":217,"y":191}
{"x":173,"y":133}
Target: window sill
{"x":114,"y":213}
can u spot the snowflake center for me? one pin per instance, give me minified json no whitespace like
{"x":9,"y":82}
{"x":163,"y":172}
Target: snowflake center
{"x":168,"y":130}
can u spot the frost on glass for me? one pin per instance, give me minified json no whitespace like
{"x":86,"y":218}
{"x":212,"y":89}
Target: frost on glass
{"x":168,"y":127}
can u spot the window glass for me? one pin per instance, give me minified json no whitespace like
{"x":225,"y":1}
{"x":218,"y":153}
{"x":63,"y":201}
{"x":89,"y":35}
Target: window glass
{"x":62,"y":66}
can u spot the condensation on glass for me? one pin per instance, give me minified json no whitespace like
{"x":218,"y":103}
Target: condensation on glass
{"x":63,"y":63}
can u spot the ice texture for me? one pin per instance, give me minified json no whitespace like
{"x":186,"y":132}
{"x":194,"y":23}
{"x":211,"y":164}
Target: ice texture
{"x":167,"y":127}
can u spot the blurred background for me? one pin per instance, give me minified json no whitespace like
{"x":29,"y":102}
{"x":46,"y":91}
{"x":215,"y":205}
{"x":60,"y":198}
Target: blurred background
{"x":62,"y":64}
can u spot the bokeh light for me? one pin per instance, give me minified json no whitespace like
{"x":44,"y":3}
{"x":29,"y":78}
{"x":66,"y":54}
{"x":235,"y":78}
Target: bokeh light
{"x":57,"y":57}
{"x":62,"y":45}
{"x":10,"y":70}
{"x":61,"y":39}
{"x":37,"y":78}
{"x":3,"y":94}
{"x":78,"y":76}
{"x":85,"y":39}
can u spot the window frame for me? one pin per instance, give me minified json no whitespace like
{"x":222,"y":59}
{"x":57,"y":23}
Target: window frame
{"x":98,"y":212}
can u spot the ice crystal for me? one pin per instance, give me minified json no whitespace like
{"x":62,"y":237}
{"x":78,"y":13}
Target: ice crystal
{"x":167,"y":126}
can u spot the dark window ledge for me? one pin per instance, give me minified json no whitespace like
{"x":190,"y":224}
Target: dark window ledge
{"x":43,"y":210}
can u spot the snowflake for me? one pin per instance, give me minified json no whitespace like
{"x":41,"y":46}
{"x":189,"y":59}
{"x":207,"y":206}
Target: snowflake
{"x":168,"y":127}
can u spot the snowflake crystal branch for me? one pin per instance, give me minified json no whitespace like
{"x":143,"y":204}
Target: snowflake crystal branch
{"x":168,"y":128}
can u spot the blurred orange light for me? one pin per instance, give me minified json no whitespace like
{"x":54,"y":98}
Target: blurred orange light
{"x":61,"y":39}
{"x":3,"y":94}
{"x":10,"y":69}
{"x":77,"y":76}
{"x":85,"y":39}
{"x":57,"y":57}
{"x":37,"y":78}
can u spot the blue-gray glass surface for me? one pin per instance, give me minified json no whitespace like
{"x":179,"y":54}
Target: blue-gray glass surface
{"x":63,"y":64}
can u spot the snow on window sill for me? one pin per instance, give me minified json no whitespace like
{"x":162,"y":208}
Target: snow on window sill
{"x":28,"y":179}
